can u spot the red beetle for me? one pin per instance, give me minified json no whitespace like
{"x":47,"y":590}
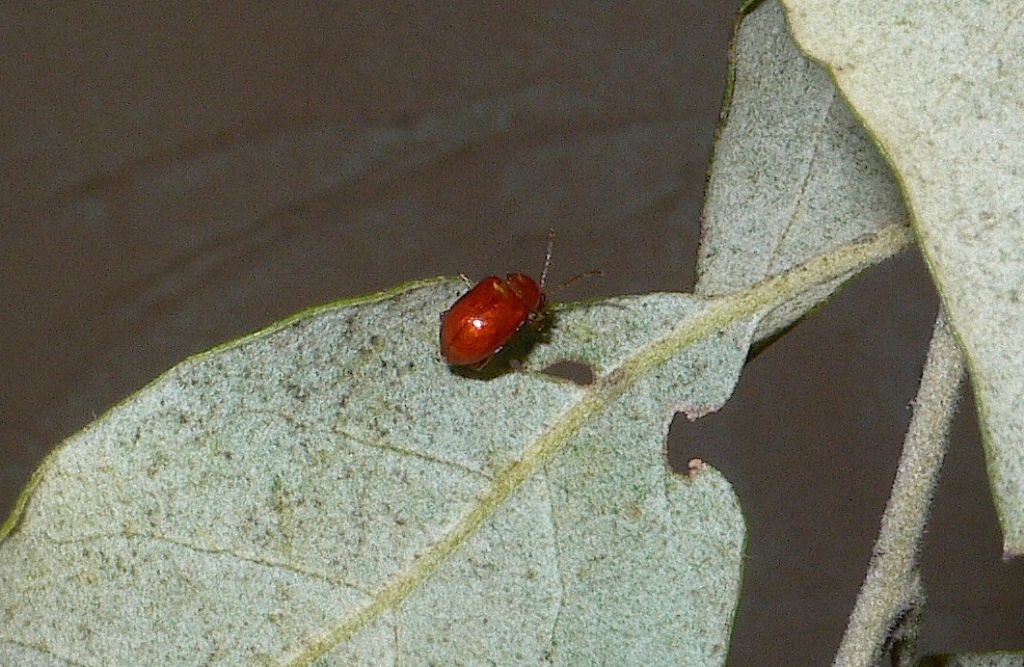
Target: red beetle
{"x":486,"y":317}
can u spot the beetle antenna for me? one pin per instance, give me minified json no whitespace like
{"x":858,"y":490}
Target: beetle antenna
{"x":577,"y":277}
{"x":547,"y":257}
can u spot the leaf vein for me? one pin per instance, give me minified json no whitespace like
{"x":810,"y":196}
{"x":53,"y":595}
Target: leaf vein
{"x":218,"y":551}
{"x":44,"y":650}
{"x":558,"y":560}
{"x":395,"y":449}
{"x":799,"y":199}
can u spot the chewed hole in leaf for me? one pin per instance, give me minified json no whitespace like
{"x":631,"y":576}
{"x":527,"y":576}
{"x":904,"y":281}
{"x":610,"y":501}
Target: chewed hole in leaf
{"x":581,"y":374}
{"x":688,"y":451}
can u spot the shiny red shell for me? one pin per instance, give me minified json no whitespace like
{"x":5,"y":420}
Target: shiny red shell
{"x":486,"y":317}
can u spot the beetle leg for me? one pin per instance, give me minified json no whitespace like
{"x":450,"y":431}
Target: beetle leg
{"x":480,"y":366}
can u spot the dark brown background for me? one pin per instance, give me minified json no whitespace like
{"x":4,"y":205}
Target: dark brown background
{"x":172,"y":179}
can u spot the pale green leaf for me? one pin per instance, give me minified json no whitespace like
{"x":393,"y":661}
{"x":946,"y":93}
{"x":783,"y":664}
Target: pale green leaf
{"x":329,"y":490}
{"x":793,"y":174}
{"x":941,"y":89}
